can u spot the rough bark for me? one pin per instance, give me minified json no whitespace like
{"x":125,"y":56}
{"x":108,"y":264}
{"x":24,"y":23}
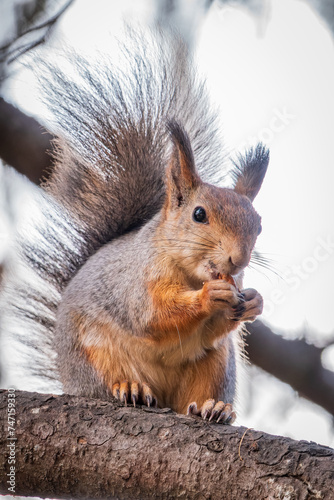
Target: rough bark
{"x":292,"y":361}
{"x":69,"y":447}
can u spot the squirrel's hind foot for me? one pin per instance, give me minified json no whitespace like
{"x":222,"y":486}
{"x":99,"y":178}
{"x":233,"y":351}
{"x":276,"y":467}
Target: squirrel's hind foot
{"x":134,"y":393}
{"x":217,"y":412}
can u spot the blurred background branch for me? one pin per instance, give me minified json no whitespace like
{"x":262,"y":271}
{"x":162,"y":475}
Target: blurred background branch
{"x":33,"y":23}
{"x":294,"y":362}
{"x":24,"y":144}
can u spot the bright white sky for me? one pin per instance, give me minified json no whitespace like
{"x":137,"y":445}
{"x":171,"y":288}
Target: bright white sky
{"x":273,"y":81}
{"x":279,"y":88}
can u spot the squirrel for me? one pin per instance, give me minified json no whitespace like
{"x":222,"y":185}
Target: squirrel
{"x":135,"y":242}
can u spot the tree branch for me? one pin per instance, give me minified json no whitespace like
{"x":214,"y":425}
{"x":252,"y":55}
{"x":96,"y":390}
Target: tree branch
{"x":24,"y":143}
{"x":292,"y":361}
{"x":70,"y":447}
{"x":9,"y":52}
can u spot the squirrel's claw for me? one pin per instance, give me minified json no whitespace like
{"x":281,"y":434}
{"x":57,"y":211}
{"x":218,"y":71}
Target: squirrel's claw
{"x":124,"y":392}
{"x":134,"y":393}
{"x":192,"y":409}
{"x":239,"y":311}
{"x":227,"y":415}
{"x":148,"y":398}
{"x":249,"y":307}
{"x":253,"y":305}
{"x":207,"y":408}
{"x":115,"y":390}
{"x":219,"y":412}
{"x":216,"y":411}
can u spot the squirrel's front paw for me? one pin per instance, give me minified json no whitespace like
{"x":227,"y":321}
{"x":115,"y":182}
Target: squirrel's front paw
{"x":218,"y":412}
{"x":219,"y":295}
{"x":134,"y":393}
{"x":250,"y":308}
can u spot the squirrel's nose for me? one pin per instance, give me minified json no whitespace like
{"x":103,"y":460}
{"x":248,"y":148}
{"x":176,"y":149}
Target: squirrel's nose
{"x":237,"y":261}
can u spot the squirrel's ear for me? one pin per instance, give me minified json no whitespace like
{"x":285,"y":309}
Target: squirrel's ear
{"x":250,"y":170}
{"x":182,"y":176}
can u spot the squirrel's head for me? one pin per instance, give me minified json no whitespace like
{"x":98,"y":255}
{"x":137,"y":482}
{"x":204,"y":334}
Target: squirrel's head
{"x":211,"y":230}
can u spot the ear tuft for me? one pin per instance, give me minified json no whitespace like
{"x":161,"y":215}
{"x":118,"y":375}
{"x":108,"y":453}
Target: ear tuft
{"x":249,"y":171}
{"x":182,"y":146}
{"x":182,"y":176}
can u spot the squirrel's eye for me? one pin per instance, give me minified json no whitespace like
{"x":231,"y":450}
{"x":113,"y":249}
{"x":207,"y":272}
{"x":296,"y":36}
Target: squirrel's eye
{"x":199,"y":215}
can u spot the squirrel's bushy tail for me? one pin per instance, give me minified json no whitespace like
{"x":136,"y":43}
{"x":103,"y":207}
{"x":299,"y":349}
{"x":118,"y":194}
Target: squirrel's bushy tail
{"x":111,"y":155}
{"x":113,"y":143}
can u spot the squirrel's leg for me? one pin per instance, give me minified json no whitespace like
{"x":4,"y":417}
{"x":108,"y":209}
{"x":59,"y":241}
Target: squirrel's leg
{"x":91,"y":365}
{"x":208,"y":385}
{"x":113,"y":372}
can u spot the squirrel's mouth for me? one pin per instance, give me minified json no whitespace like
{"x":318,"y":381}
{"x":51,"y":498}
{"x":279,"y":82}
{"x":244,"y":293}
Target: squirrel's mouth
{"x":215,"y":275}
{"x":213,"y":271}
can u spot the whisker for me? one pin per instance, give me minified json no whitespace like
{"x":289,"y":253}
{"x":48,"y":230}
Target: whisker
{"x":261,"y":257}
{"x":191,"y":231}
{"x":213,"y":242}
{"x":195,"y":243}
{"x":264,"y":266}
{"x":263,"y":261}
{"x":260,"y":260}
{"x":259,"y":271}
